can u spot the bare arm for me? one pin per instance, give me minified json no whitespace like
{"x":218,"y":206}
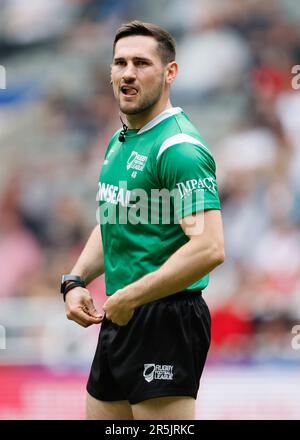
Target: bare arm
{"x":90,"y":264}
{"x":200,"y":255}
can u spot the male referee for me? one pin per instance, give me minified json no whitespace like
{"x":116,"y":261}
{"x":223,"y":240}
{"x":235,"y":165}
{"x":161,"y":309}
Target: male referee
{"x":155,"y":332}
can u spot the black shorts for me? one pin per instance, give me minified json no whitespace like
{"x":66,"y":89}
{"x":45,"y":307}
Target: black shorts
{"x":160,"y":352}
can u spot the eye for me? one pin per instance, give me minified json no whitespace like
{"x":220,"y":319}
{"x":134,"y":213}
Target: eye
{"x":141,"y":63}
{"x":119,"y":63}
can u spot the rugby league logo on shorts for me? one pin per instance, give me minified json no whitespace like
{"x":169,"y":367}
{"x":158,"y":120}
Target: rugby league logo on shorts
{"x":160,"y":372}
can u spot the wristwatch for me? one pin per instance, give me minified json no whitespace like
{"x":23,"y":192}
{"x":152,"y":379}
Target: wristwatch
{"x":69,"y":282}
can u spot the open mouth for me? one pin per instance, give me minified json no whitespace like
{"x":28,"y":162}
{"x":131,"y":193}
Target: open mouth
{"x":129,"y":91}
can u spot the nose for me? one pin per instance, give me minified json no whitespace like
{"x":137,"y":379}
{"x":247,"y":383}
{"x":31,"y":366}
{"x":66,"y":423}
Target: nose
{"x":129,"y":73}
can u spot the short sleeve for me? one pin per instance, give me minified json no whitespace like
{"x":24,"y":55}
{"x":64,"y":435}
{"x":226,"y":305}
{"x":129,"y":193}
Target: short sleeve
{"x":189,"y":171}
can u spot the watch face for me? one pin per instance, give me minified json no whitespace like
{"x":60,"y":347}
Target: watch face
{"x":66,"y":278}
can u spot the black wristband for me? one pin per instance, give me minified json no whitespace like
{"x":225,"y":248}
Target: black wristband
{"x":71,"y":286}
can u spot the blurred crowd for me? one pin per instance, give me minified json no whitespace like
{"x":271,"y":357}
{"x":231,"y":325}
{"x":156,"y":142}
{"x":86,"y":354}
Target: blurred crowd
{"x":57,"y":114}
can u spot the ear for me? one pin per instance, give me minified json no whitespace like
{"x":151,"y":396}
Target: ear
{"x":111,"y":74}
{"x":171,"y":72}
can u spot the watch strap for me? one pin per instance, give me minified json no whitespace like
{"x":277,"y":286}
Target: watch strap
{"x":71,"y":286}
{"x":69,"y":277}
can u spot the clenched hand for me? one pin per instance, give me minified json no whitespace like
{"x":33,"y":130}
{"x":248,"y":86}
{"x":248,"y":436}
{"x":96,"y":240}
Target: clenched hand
{"x":117,"y":309}
{"x":80,"y":307}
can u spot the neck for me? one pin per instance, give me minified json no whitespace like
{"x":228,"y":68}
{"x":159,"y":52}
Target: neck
{"x":139,"y":120}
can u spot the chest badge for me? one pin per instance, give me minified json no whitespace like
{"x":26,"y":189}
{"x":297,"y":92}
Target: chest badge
{"x":136,"y":161}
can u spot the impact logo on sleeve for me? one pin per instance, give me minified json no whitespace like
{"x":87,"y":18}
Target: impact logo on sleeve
{"x":160,"y":372}
{"x":187,"y":187}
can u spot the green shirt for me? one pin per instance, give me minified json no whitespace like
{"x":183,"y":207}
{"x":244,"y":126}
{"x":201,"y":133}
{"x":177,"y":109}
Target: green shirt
{"x":161,"y":173}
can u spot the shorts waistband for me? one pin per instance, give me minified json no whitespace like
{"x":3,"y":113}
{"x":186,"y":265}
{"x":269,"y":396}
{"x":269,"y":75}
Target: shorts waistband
{"x":180,"y":296}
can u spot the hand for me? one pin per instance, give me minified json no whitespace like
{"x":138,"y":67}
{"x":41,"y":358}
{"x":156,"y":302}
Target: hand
{"x":80,"y":307}
{"x":117,"y":309}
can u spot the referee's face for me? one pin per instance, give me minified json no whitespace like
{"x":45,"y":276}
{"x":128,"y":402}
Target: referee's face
{"x":138,"y":74}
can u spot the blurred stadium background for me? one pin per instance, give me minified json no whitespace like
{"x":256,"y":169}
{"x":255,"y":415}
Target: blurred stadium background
{"x":56,"y":116}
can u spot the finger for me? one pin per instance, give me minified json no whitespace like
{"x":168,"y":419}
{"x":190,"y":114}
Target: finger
{"x":75,"y":318}
{"x":83,"y":316}
{"x":91,"y":309}
{"x":91,"y":318}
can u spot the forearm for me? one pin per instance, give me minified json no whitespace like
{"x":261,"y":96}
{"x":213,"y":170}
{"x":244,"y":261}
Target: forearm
{"x":90,"y":263}
{"x":187,"y":265}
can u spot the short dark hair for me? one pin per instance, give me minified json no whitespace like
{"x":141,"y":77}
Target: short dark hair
{"x":166,"y":43}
